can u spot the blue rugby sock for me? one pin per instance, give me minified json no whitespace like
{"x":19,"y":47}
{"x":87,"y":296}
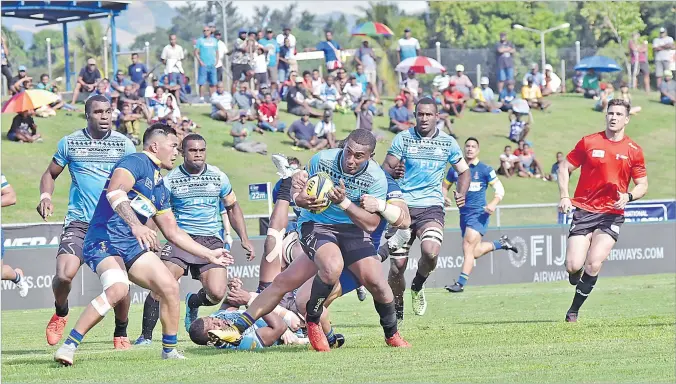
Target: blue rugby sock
{"x":497,"y":245}
{"x":169,"y":343}
{"x":462,"y":280}
{"x":331,"y":337}
{"x":74,"y":338}
{"x":244,"y":322}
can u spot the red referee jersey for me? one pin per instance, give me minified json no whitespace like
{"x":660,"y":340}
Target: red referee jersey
{"x":607,"y":168}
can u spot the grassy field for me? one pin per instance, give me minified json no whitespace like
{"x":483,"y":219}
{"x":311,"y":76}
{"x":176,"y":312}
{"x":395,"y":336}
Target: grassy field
{"x":491,"y":334}
{"x":571,"y":117}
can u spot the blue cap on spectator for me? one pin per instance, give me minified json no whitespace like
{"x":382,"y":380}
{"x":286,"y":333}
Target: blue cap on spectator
{"x":22,"y":68}
{"x":407,"y":30}
{"x":286,"y":28}
{"x":241,"y":30}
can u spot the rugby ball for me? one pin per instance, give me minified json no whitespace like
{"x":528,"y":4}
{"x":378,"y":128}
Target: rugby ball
{"x":319,"y":186}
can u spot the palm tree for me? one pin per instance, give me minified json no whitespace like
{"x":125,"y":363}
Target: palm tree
{"x":89,"y":42}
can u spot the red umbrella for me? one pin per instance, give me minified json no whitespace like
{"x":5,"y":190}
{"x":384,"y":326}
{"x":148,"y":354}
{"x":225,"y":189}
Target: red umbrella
{"x":420,"y":64}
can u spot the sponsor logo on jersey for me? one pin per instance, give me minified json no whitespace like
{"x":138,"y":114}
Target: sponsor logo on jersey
{"x":598,"y":153}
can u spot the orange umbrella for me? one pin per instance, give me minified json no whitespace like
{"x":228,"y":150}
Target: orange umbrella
{"x":28,"y":100}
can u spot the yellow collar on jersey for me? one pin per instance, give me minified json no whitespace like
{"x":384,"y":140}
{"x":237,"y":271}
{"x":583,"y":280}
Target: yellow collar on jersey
{"x":153,"y":158}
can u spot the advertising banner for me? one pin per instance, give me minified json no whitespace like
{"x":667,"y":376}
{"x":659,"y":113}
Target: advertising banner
{"x":643,"y":248}
{"x":639,"y":211}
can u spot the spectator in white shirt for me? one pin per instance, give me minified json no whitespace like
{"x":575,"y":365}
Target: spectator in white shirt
{"x":221,"y":51}
{"x":221,"y":104}
{"x":353,"y":92}
{"x":509,"y":162}
{"x":552,"y":81}
{"x":286,"y":33}
{"x":663,"y":49}
{"x":172,"y":55}
{"x":261,"y":67}
{"x":326,"y":129}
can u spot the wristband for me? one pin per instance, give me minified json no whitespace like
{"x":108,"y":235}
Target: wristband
{"x":382,"y":204}
{"x":631,"y":197}
{"x":345,"y":204}
{"x":45,"y":196}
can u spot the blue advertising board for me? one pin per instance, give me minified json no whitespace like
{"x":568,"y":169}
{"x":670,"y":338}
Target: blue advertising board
{"x":258,"y":191}
{"x":637,"y":211}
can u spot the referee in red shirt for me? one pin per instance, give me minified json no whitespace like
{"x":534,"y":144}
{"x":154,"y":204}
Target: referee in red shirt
{"x":609,"y":159}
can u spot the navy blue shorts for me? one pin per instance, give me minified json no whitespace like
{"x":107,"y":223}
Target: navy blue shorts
{"x":354,"y":243}
{"x":95,"y":250}
{"x":348,"y":281}
{"x":478,"y":221}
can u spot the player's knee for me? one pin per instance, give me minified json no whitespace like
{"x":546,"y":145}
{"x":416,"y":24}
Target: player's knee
{"x":116,"y":293}
{"x":216,"y":293}
{"x":397,"y":266}
{"x":330,"y":272}
{"x":169,"y":290}
{"x":376,"y":286}
{"x":430,"y":250}
{"x":62,"y":278}
{"x":572,"y":266}
{"x":430,"y":241}
{"x":593,"y":268}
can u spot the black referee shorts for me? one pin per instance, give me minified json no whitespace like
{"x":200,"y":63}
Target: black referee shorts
{"x":585,"y":222}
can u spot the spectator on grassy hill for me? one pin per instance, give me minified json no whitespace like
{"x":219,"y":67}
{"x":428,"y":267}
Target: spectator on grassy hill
{"x":172,"y":56}
{"x":291,"y":55}
{"x":288,"y":83}
{"x":453,"y":101}
{"x":240,"y":132}
{"x":138,"y":105}
{"x":413,"y":85}
{"x":366,"y":57}
{"x":6,"y":65}
{"x":407,"y":47}
{"x":590,"y":84}
{"x":401,"y":118}
{"x":23,"y":128}
{"x":161,"y":111}
{"x":507,"y":96}
{"x":297,"y":101}
{"x":361,"y":78}
{"x":552,"y":81}
{"x":302,"y":133}
{"x":101,"y":89}
{"x":554,"y":175}
{"x":484,"y":98}
{"x":244,"y":100}
{"x":206,"y":53}
{"x":241,"y":67}
{"x":626,"y":96}
{"x":316,"y":82}
{"x":638,"y":54}
{"x":272,"y":50}
{"x":221,"y":104}
{"x":331,"y":49}
{"x":509,"y":162}
{"x":137,"y":71}
{"x":536,"y":76}
{"x":285,"y":56}
{"x":607,"y":94}
{"x":221,"y":51}
{"x":18,"y":82}
{"x":260,"y":67}
{"x":87,"y":79}
{"x":518,"y":128}
{"x":48,"y":86}
{"x":462,"y":81}
{"x":341,"y":79}
{"x":578,"y":81}
{"x":668,"y":89}
{"x":533,"y":96}
{"x":268,"y":118}
{"x":528,"y":165}
{"x":274,"y":91}
{"x":663,"y":49}
{"x":330,"y":95}
{"x":505,"y":51}
{"x":325,"y":129}
{"x":353,"y":92}
{"x":307,"y":83}
{"x":120,"y":82}
{"x":129,"y":123}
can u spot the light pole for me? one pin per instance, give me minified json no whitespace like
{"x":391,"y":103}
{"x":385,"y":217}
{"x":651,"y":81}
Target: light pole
{"x":542,"y":38}
{"x":226,"y":65}
{"x":49,"y":57}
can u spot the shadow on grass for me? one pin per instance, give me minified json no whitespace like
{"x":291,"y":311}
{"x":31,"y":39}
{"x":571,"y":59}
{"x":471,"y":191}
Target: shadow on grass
{"x":19,"y":352}
{"x":506,"y":322}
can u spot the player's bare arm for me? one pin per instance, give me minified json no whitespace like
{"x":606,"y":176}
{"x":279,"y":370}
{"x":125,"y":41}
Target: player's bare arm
{"x":394,"y":166}
{"x":8,"y":196}
{"x":45,"y":207}
{"x":395,"y":212}
{"x":236,"y":218}
{"x":361,"y":217}
{"x":462,"y":169}
{"x":640,"y":189}
{"x":565,"y":204}
{"x":166,"y":221}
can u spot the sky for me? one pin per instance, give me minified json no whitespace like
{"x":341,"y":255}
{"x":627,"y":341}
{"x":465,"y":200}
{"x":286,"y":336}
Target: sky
{"x":247,"y":7}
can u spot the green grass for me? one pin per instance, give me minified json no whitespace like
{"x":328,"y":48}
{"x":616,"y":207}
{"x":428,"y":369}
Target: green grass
{"x":571,"y":117}
{"x":491,"y":334}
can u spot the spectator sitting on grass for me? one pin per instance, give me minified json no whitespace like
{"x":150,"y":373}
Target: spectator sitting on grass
{"x":325,"y":129}
{"x":401,"y":118}
{"x":626,"y":96}
{"x":138,"y":106}
{"x":16,"y":84}
{"x":149,"y":91}
{"x":120,"y":82}
{"x":518,"y":128}
{"x":668,"y":89}
{"x":528,"y":165}
{"x":552,"y":81}
{"x":244,"y":100}
{"x":241,"y":129}
{"x":87,"y":79}
{"x":302,"y":133}
{"x":129,"y":124}
{"x":462,"y":81}
{"x":307,"y":82}
{"x":454,"y":101}
{"x":553,"y":176}
{"x":161,"y":111}
{"x":330,"y":95}
{"x":297,"y":102}
{"x":287,"y":84}
{"x":48,"y":86}
{"x":317,"y":83}
{"x":578,"y":81}
{"x":509,"y":162}
{"x":23,"y":128}
{"x":607,"y":94}
{"x":484,"y":98}
{"x":590,"y":85}
{"x":507,"y":96}
{"x":221,"y":104}
{"x":353,"y":92}
{"x":413,"y":85}
{"x":101,"y":89}
{"x":533,"y":96}
{"x":268,"y":118}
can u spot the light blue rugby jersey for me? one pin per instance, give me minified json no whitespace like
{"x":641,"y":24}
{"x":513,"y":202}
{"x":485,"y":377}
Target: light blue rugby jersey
{"x":369,"y":180}
{"x":195,"y":199}
{"x":425,"y":160}
{"x":89,"y":162}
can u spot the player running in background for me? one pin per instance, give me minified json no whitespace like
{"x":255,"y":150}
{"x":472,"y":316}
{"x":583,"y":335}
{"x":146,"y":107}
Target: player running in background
{"x":609,"y":160}
{"x":333,"y":239}
{"x":474,"y":216}
{"x":119,"y":244}
{"x":8,"y":198}
{"x":195,"y":190}
{"x":279,"y":221}
{"x":90,"y":155}
{"x":417,"y":158}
